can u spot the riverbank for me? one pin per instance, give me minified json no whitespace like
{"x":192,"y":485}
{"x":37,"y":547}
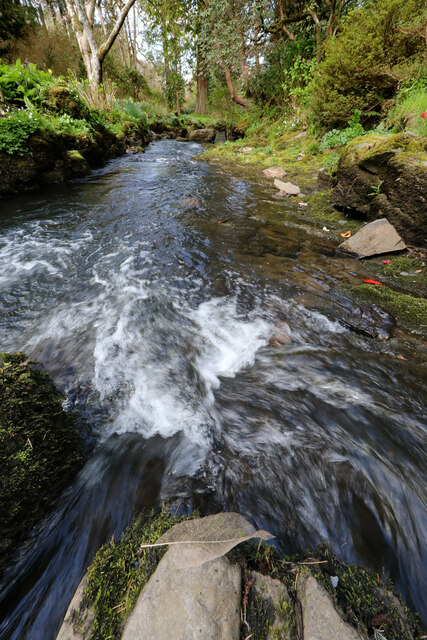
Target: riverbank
{"x":317,"y":174}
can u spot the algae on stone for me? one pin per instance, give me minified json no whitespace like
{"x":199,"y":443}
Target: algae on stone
{"x":40,"y":449}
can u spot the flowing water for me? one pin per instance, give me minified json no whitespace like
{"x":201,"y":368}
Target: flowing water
{"x":156,"y":319}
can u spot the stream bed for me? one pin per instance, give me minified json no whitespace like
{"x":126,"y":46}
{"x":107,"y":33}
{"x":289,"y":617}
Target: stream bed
{"x":152,"y":292}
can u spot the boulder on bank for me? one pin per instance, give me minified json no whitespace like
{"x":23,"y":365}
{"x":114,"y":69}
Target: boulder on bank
{"x":40,"y":448}
{"x":375,"y":238}
{"x":287,"y":188}
{"x":202,"y":135}
{"x":274,"y":172}
{"x":386,"y":176}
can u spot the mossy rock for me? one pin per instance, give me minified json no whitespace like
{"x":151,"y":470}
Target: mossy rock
{"x":386,"y":176}
{"x":287,"y":139}
{"x":77,"y":165}
{"x":40,"y":448}
{"x":119,"y":571}
{"x":409,"y":311}
{"x":366,"y":148}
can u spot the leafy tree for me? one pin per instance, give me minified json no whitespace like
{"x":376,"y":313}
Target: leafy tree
{"x":378,"y":47}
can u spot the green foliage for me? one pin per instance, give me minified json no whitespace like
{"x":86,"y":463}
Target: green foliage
{"x":377,"y":48}
{"x":411,"y":103}
{"x":14,"y":17}
{"x":40,"y":449}
{"x":19,"y":82}
{"x":339,"y":138}
{"x":120,"y":570}
{"x":16,"y":128}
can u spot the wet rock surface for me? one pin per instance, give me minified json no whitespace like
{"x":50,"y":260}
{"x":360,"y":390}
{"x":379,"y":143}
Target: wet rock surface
{"x":371,"y":320}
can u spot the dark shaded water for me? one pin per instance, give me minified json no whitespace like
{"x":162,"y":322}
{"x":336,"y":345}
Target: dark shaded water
{"x":156,"y":319}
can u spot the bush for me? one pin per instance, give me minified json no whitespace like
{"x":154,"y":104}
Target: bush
{"x":364,"y":64}
{"x":20,"y":83}
{"x":16,"y":128}
{"x":338,"y":138}
{"x":411,"y":103}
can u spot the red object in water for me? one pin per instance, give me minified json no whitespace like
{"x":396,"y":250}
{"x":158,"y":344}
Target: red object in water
{"x":372,"y":281}
{"x":424,"y":115}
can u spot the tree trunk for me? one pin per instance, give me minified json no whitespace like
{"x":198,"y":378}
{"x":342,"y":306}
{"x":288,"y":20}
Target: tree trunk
{"x":202,"y":95}
{"x":233,"y":95}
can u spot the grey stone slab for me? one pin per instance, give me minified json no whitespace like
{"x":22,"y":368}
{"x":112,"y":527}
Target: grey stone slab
{"x":321,"y":620}
{"x":196,"y":603}
{"x":374,"y":238}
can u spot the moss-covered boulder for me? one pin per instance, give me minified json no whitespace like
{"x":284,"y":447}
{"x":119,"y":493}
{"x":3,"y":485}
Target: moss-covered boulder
{"x":40,"y":448}
{"x":386,"y":176}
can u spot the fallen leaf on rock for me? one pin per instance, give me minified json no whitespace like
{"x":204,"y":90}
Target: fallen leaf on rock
{"x":386,"y":261}
{"x":347,"y":234}
{"x":369,"y":281}
{"x":198,"y":541}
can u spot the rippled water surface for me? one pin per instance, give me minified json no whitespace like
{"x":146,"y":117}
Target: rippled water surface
{"x":151,"y":292}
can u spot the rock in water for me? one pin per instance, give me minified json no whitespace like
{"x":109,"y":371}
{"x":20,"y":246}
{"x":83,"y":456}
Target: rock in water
{"x":287,"y":187}
{"x":195,"y":603}
{"x":74,"y":611}
{"x":320,"y":618}
{"x":371,"y":320}
{"x":274,"y":172}
{"x":202,"y":135}
{"x":374,"y":238}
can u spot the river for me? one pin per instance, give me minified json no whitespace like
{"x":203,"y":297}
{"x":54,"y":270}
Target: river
{"x":150,"y":291}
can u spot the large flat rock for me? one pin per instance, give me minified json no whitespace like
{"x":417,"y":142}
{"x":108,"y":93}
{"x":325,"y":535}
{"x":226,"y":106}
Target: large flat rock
{"x":320,"y":618}
{"x":374,"y":238}
{"x":196,"y":603}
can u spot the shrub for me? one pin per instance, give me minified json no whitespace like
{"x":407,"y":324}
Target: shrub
{"x":411,"y":103}
{"x":364,"y":64}
{"x":338,"y":138}
{"x":19,"y":82}
{"x":16,"y":128}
